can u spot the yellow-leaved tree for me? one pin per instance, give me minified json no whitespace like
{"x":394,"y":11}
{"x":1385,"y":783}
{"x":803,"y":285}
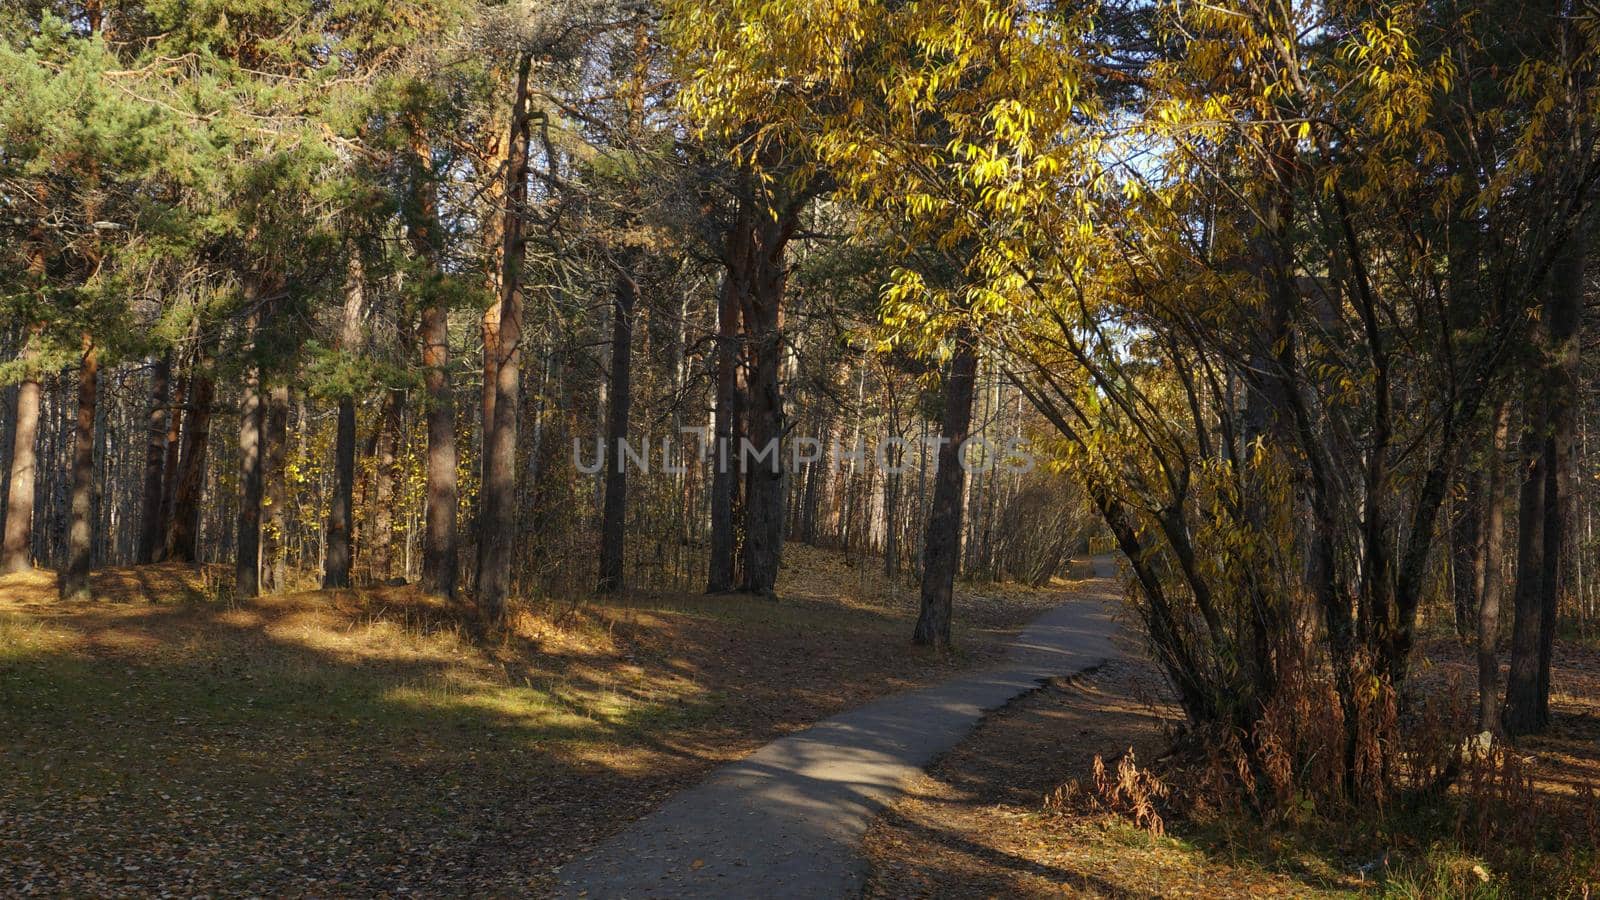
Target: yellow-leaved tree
{"x":1262,"y":265}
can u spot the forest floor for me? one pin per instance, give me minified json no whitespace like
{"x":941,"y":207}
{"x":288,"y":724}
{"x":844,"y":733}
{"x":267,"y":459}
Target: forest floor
{"x":991,"y":818}
{"x":366,"y":742}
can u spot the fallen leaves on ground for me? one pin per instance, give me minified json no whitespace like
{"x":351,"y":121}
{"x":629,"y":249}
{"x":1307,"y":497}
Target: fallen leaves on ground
{"x":364,"y":742}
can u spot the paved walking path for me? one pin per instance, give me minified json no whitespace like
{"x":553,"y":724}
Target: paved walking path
{"x":787,"y":820}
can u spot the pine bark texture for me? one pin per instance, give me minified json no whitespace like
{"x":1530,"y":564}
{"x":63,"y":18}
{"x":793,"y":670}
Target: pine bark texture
{"x":614,"y":513}
{"x":74,"y":582}
{"x":275,"y":491}
{"x":154,"y":461}
{"x":183,"y":528}
{"x":498,"y":510}
{"x":16,"y":553}
{"x":247,"y":562}
{"x":439,"y":564}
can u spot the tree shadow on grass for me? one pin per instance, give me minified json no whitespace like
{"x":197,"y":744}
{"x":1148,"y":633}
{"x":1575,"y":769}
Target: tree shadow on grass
{"x":273,"y":746}
{"x":298,"y":769}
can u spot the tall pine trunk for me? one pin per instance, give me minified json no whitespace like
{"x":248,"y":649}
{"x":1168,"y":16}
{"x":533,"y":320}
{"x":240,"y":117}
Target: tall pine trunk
{"x":492,"y":237}
{"x":941,"y":544}
{"x":169,"y":466}
{"x":1564,"y":316}
{"x":155,"y":458}
{"x":498,"y":510}
{"x":489,"y":327}
{"x":336,"y":562}
{"x":614,"y":512}
{"x":1466,"y":563}
{"x":1541,"y":523}
{"x":275,"y":491}
{"x":341,"y":518}
{"x":439,"y":564}
{"x":74,"y":582}
{"x":382,"y":565}
{"x":894,"y":459}
{"x":247,"y":548}
{"x":439,"y":528}
{"x":725,"y":477}
{"x":1491,"y":542}
{"x":16,"y":552}
{"x":183,"y":525}
{"x":764,"y":416}
{"x":1522,"y":703}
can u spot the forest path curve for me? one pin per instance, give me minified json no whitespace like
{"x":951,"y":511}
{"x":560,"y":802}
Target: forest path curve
{"x":787,"y":820}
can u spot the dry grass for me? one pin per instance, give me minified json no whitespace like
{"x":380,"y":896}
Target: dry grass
{"x":375,"y":741}
{"x":988,"y":820}
{"x":1014,"y":811}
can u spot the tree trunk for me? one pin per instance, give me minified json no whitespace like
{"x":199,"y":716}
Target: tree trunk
{"x":490,"y":327}
{"x":816,"y":472}
{"x":1491,"y":539}
{"x":16,"y":553}
{"x":1564,"y":318}
{"x":383,"y":488}
{"x":763,"y":324}
{"x":724,"y":451}
{"x":74,"y":582}
{"x":275,"y":491}
{"x":1466,"y":565}
{"x":341,"y":518}
{"x":169,"y":467}
{"x":1542,"y":521}
{"x":439,"y":529}
{"x":247,"y":549}
{"x":492,"y":234}
{"x":155,"y":458}
{"x":614,"y":514}
{"x":183,"y":526}
{"x":941,"y":544}
{"x":1521,"y":712}
{"x":336,"y":562}
{"x":498,"y":510}
{"x":894,"y":460}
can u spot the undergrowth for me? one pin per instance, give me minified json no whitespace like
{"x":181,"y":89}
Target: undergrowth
{"x":1412,"y":806}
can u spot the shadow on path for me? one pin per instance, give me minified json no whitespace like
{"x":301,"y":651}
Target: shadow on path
{"x":787,"y":821}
